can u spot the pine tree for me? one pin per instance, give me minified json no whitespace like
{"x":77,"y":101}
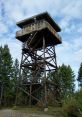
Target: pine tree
{"x":1,"y":77}
{"x":7,"y":63}
{"x":7,"y":73}
{"x":16,"y":71}
{"x":15,"y":79}
{"x":63,"y":81}
{"x":80,"y":75}
{"x":55,"y":86}
{"x":67,"y":80}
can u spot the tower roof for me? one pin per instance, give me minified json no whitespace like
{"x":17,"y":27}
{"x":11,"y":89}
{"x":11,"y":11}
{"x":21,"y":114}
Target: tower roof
{"x":38,"y":17}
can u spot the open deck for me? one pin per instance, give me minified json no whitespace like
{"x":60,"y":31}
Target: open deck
{"x":39,"y":25}
{"x":45,"y":30}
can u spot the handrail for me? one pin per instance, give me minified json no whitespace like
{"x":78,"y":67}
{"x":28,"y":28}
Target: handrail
{"x":52,"y":29}
{"x":30,"y":27}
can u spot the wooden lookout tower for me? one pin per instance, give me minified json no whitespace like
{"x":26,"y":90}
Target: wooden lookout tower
{"x":39,"y":36}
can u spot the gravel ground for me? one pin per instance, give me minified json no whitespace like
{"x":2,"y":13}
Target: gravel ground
{"x":13,"y":113}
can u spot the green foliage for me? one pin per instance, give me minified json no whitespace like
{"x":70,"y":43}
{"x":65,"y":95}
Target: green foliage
{"x":26,"y":74}
{"x":78,"y":97}
{"x":7,"y":62}
{"x":7,"y":75}
{"x":70,"y":108}
{"x":63,"y":80}
{"x":80,"y":75}
{"x":16,"y":70}
{"x":67,"y":80}
{"x":6,"y":71}
{"x":15,"y":78}
{"x":56,"y":84}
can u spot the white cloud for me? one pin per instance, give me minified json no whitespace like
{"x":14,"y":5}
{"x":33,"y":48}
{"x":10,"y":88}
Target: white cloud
{"x":14,"y":46}
{"x":70,"y":52}
{"x":3,"y":27}
{"x":78,"y":56}
{"x":79,"y":29}
{"x":22,"y":8}
{"x":73,"y":9}
{"x":76,"y":43}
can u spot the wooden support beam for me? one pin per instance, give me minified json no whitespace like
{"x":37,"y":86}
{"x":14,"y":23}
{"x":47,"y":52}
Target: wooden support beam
{"x":29,"y":94}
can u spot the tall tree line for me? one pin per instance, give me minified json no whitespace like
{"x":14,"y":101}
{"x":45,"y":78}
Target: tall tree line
{"x":80,"y":76}
{"x":63,"y":83}
{"x":62,"y":80}
{"x":8,"y":75}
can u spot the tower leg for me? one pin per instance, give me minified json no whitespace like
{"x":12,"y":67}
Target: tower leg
{"x":30,"y":100}
{"x":45,"y":86}
{"x":38,"y":64}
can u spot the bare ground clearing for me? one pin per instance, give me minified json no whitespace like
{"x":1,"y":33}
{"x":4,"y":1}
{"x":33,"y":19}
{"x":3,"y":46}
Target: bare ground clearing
{"x":14,"y":113}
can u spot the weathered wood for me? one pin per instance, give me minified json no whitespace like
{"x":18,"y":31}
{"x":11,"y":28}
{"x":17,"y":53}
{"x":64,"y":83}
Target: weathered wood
{"x":30,"y":28}
{"x":29,"y":94}
{"x":39,"y":25}
{"x":39,"y":36}
{"x":38,"y":63}
{"x":39,"y":17}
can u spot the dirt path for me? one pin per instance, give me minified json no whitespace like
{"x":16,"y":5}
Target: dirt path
{"x":13,"y":113}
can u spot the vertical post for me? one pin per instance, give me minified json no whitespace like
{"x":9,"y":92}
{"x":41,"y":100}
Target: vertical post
{"x":1,"y":93}
{"x":18,"y":81}
{"x":20,"y":77}
{"x":30,"y":94}
{"x":55,"y":57}
{"x":45,"y":87}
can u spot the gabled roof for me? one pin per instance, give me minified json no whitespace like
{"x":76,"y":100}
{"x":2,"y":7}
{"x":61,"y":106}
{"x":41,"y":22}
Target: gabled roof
{"x":41,"y":16}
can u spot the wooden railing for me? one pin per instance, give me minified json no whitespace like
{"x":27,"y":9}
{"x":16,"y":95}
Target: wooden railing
{"x":52,"y":30}
{"x":31,"y":27}
{"x":37,"y":26}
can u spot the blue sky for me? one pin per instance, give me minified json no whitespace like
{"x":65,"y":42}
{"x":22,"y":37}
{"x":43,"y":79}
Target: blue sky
{"x":67,"y":13}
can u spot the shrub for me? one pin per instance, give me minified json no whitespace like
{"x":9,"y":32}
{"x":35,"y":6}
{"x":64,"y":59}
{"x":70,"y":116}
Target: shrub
{"x":70,"y":108}
{"x":78,"y":97}
{"x":40,"y":105}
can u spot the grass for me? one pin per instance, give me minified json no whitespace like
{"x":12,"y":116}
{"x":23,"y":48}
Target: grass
{"x":54,"y":111}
